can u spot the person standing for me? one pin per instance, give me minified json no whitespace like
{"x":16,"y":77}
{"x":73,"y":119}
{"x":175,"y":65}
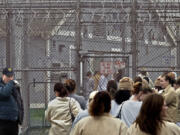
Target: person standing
{"x":70,"y":85}
{"x":102,"y":86}
{"x":118,"y":75}
{"x":96,"y":78}
{"x":100,"y":122}
{"x":150,"y":118}
{"x":130,"y":108}
{"x":61,"y":111}
{"x":89,"y":84}
{"x":177,"y":86}
{"x":145,"y":75}
{"x":170,"y":97}
{"x":11,"y":105}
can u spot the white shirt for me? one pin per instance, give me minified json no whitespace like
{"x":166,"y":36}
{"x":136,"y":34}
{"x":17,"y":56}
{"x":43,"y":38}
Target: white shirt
{"x":102,"y":83}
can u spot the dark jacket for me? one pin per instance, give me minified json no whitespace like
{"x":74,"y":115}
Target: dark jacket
{"x":8,"y":105}
{"x":11,"y":105}
{"x":17,"y":96}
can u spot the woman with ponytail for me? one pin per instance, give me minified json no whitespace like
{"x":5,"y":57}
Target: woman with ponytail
{"x":100,"y":121}
{"x":60,"y":110}
{"x":130,"y":108}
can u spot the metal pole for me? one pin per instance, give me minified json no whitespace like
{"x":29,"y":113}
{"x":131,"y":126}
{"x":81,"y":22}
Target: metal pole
{"x":78,"y":45}
{"x":133,"y":22}
{"x":178,"y":46}
{"x":8,"y":39}
{"x":25,"y":76}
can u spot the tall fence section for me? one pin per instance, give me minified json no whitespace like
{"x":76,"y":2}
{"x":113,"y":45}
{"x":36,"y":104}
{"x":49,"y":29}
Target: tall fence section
{"x":49,"y":41}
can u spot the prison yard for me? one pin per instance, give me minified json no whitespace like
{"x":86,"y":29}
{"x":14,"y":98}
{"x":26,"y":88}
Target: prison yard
{"x":62,"y":51}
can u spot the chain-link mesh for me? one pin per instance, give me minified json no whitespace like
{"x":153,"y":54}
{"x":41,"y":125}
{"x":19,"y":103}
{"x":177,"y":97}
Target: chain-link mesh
{"x":50,"y":41}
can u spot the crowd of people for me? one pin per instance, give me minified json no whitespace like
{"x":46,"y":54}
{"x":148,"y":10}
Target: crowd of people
{"x":123,"y":106}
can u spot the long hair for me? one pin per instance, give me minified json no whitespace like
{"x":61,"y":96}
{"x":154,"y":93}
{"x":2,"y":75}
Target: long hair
{"x":100,"y":104}
{"x":150,"y":119}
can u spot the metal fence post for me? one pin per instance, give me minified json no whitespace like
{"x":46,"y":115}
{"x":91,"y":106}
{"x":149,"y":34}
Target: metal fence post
{"x":134,"y":38}
{"x":78,"y":44}
{"x":8,"y":39}
{"x":178,"y":46}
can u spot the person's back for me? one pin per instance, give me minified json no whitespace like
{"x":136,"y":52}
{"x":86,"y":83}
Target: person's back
{"x":130,"y":110}
{"x":59,"y":111}
{"x":80,"y":99}
{"x":103,"y":125}
{"x":168,"y":128}
{"x":70,"y":85}
{"x":85,"y":112}
{"x":89,"y":85}
{"x":131,"y":107}
{"x":100,"y":122}
{"x":150,"y":120}
{"x":120,"y":96}
{"x":125,"y":87}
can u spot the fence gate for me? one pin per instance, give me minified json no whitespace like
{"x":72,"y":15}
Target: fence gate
{"x":105,"y":64}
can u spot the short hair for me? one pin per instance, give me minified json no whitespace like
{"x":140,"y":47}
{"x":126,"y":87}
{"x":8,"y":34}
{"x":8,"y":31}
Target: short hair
{"x":122,"y":95}
{"x":168,"y":78}
{"x":70,"y":85}
{"x":59,"y":87}
{"x":150,"y":118}
{"x":88,"y":73}
{"x":101,"y":104}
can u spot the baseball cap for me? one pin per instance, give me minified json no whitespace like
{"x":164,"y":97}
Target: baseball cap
{"x":8,"y":72}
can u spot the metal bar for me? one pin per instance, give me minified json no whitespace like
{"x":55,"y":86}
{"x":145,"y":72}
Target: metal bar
{"x":106,"y":56}
{"x":47,"y":69}
{"x":178,"y":45}
{"x":154,"y":67}
{"x":78,"y":44}
{"x":87,"y":4}
{"x":160,"y":70}
{"x":8,"y":39}
{"x":134,"y":34}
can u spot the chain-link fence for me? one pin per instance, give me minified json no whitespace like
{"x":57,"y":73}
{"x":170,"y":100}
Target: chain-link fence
{"x":50,"y":41}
